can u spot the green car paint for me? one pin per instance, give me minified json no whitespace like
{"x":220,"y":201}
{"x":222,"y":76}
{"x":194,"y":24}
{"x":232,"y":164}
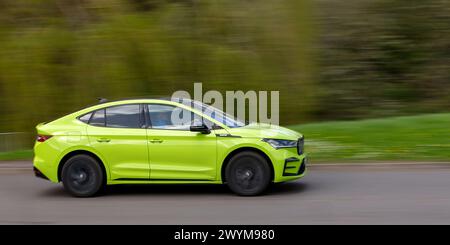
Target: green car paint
{"x":152,"y":155}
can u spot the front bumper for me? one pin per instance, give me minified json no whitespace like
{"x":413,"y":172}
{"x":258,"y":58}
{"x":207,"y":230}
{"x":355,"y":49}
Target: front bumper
{"x":289,"y":165}
{"x":293,"y":168}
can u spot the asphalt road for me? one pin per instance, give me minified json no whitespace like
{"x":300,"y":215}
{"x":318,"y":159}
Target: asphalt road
{"x":346,"y":194}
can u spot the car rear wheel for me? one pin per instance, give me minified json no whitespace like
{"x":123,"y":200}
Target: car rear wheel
{"x":248,"y":174}
{"x":82,"y":176}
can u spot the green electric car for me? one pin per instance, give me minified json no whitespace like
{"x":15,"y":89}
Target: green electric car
{"x":146,"y":141}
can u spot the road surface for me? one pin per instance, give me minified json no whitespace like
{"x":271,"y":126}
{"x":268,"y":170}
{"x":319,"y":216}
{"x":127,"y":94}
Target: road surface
{"x":344,"y":194}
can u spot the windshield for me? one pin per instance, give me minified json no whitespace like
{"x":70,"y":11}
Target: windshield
{"x":213,"y":112}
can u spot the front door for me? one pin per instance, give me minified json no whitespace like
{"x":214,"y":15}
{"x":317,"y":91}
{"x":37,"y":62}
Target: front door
{"x":175,"y":152}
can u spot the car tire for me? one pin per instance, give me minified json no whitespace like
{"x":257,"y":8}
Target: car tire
{"x":248,"y":174}
{"x":82,"y":176}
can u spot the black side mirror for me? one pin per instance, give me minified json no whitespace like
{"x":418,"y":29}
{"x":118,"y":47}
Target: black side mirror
{"x":200,"y":128}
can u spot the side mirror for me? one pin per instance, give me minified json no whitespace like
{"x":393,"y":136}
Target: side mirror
{"x":200,"y":128}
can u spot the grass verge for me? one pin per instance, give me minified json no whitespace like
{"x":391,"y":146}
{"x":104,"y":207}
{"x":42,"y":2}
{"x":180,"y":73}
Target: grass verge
{"x":16,"y":155}
{"x":409,"y":138}
{"x":412,"y":138}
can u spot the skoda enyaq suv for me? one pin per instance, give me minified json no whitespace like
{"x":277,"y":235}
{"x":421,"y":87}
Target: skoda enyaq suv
{"x":139,"y":142}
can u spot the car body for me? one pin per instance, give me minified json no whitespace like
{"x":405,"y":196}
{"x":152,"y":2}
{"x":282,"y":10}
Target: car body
{"x":132,"y":144}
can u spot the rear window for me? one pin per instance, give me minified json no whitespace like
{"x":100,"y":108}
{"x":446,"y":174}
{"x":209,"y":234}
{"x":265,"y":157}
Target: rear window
{"x":124,"y":116}
{"x":98,"y":119}
{"x":85,"y":118}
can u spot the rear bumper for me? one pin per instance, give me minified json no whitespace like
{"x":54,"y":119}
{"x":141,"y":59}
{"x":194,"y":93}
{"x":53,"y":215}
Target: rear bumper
{"x":39,"y":174}
{"x":44,"y":170}
{"x":45,"y":159}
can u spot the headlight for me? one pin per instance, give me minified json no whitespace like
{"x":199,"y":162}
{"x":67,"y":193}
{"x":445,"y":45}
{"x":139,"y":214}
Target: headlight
{"x":277,"y":144}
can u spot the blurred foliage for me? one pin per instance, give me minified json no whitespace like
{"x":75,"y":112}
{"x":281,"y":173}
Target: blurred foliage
{"x":58,"y":56}
{"x":329,"y":59}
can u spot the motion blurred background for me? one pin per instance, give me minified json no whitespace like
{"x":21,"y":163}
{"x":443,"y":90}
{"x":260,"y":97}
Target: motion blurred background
{"x":364,"y":80}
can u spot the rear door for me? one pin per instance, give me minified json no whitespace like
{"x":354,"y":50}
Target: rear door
{"x":118,"y":133}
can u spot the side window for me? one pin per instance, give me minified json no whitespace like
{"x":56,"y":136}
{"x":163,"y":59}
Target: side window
{"x":85,"y":118}
{"x":98,"y":119}
{"x":173,"y":117}
{"x":124,"y":116}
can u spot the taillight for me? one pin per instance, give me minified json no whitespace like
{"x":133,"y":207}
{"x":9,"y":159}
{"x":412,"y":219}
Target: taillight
{"x":42,"y":138}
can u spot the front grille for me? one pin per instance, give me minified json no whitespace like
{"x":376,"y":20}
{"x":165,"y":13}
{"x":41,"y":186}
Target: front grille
{"x":300,"y":145}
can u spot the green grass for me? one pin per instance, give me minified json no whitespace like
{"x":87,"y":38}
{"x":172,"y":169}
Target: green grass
{"x":16,"y":155}
{"x":411,"y":138}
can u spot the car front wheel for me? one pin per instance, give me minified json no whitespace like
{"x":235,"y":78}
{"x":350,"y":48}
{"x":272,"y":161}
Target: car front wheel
{"x":248,"y":174}
{"x":82,"y":176}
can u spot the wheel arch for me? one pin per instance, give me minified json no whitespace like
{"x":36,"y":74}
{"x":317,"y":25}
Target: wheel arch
{"x":68,"y":155}
{"x":242,"y":149}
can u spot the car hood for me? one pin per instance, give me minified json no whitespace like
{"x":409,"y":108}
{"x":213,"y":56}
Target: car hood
{"x":261,"y":130}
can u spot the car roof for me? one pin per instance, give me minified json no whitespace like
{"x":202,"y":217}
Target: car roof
{"x":162,"y":100}
{"x":174,"y":99}
{"x":105,"y":103}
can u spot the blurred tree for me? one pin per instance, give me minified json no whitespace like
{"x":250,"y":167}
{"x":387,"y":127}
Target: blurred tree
{"x":375,"y":57}
{"x":384,"y":57}
{"x":59,"y":55}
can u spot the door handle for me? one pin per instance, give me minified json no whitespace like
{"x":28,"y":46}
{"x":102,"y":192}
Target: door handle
{"x":103,"y":140}
{"x":156,"y":141}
